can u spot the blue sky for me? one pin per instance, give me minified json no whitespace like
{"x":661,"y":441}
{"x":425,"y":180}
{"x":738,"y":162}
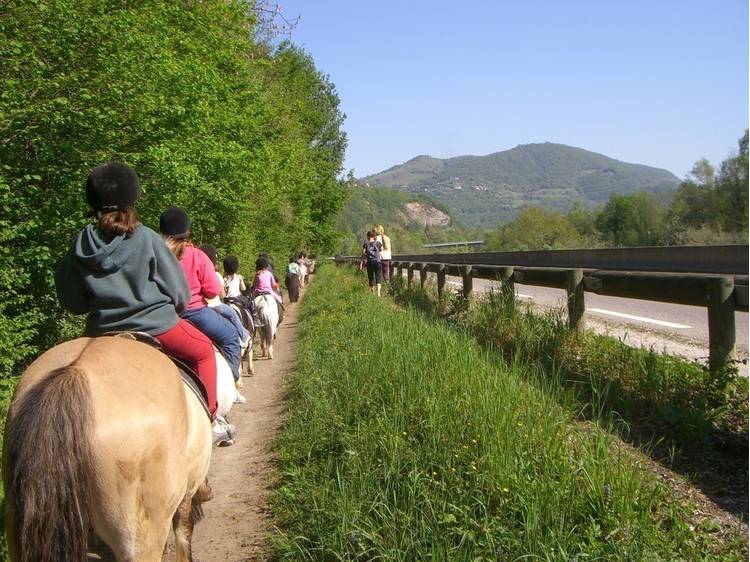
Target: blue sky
{"x":661,"y":83}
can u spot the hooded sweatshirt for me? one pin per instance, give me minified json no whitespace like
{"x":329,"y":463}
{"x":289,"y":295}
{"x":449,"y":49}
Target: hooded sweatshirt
{"x":130,"y":283}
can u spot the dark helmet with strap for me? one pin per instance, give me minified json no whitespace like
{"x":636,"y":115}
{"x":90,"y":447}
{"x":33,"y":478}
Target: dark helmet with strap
{"x":112,"y":187}
{"x":210,"y":251}
{"x":174,"y":222}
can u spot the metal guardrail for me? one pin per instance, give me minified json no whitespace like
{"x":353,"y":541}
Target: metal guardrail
{"x":715,"y":277}
{"x":454,"y":244}
{"x":730,"y":259}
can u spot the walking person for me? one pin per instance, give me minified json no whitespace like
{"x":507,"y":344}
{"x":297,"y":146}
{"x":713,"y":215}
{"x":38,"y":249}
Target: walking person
{"x":293,"y":276}
{"x":385,"y":254}
{"x":174,"y":225}
{"x":121,"y":274}
{"x":301,"y":262}
{"x":371,"y":253}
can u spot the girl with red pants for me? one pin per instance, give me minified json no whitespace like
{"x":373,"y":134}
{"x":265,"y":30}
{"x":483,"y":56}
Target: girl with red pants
{"x":124,"y":277}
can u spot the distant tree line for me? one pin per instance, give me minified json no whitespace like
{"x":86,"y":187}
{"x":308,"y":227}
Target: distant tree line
{"x":243,"y":133}
{"x":709,"y":207}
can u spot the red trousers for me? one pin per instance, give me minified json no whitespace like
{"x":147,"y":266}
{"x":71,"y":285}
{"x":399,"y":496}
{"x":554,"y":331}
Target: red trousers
{"x":188,"y":344}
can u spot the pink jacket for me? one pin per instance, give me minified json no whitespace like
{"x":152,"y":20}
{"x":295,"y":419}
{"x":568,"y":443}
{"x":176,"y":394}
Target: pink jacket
{"x":265,"y":284}
{"x":200,"y":275}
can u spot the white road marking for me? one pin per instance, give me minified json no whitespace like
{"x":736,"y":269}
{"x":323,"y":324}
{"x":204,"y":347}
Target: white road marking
{"x":639,"y":318}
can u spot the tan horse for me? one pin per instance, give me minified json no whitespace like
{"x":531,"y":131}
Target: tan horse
{"x":103,"y":435}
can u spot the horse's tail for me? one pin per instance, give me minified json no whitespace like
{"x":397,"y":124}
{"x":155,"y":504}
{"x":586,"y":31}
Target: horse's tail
{"x":266,"y":313}
{"x":49,"y":469}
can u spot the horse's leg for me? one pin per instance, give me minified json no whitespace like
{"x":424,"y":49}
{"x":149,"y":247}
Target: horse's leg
{"x":182,"y":525}
{"x":187,"y":515}
{"x":250,"y":368}
{"x":243,"y":359}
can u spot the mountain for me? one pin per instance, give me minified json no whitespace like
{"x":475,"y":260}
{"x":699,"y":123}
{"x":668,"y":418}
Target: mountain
{"x":410,"y":219}
{"x":482,"y":191}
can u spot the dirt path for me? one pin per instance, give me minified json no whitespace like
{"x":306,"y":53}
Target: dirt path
{"x":237,"y":520}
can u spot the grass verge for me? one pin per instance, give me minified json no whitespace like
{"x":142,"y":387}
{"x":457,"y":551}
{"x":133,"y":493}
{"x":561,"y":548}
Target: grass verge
{"x":407,"y":440}
{"x":675,"y":410}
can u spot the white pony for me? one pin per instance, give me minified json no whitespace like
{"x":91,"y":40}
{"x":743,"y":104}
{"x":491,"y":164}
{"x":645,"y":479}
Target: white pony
{"x":226,"y":391}
{"x":246,"y":352}
{"x":268,"y":312}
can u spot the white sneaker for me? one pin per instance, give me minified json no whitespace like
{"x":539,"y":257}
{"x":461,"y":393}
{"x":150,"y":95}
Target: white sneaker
{"x":239,"y":399}
{"x":223,"y":432}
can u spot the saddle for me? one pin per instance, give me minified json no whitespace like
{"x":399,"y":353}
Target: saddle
{"x":247,"y":310}
{"x":189,"y":377}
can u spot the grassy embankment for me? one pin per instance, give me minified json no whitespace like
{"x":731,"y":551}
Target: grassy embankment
{"x":407,"y":440}
{"x":687,"y":418}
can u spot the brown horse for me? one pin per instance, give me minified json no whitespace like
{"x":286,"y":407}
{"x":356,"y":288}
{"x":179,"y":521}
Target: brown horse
{"x":102,"y":435}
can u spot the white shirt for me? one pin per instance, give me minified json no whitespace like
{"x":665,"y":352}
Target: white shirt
{"x":234,"y":285}
{"x":216,"y":301}
{"x":385,"y":254}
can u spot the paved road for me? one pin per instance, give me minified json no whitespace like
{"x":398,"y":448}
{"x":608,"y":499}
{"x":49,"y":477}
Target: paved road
{"x":677,"y":328}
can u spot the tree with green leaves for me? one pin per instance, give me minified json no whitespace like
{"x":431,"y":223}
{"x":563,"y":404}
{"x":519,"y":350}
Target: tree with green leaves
{"x":535,"y":229}
{"x":632,"y":220}
{"x":244,"y":135}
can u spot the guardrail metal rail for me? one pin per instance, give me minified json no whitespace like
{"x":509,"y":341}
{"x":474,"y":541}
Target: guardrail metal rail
{"x":715,"y":277}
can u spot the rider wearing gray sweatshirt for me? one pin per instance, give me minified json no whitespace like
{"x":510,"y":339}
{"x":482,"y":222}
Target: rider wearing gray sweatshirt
{"x":131,"y":282}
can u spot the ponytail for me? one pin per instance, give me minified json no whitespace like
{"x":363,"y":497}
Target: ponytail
{"x":115,"y":223}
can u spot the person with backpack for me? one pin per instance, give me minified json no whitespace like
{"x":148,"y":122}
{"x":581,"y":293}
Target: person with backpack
{"x":371,"y":253}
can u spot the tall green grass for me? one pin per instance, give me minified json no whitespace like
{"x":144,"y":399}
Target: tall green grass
{"x":405,"y":440}
{"x":674,"y":398}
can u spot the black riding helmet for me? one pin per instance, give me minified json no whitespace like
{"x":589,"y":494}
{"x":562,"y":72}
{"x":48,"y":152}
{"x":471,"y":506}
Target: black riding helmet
{"x":231,"y":265}
{"x":174,"y":222}
{"x":210,"y":251}
{"x":112,"y":187}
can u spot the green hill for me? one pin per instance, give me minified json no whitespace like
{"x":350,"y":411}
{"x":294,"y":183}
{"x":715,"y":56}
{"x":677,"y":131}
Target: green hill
{"x":482,"y":191}
{"x":410,"y":219}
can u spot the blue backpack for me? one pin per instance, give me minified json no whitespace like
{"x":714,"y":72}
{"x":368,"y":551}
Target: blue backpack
{"x":373,"y":252}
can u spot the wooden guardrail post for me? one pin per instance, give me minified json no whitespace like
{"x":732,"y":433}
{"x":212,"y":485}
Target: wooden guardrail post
{"x":410,"y":274}
{"x":576,"y":302}
{"x":721,"y":329}
{"x":422,"y":274}
{"x":468,"y":281}
{"x":440,"y":280}
{"x":507,"y":286}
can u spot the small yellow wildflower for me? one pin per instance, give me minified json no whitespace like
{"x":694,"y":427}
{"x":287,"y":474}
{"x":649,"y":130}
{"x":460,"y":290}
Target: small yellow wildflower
{"x":506,"y":490}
